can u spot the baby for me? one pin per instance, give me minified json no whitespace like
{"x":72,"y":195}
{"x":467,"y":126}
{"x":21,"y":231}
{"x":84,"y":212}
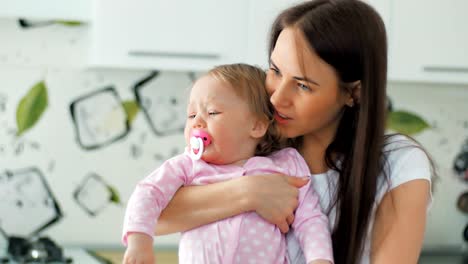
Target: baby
{"x":229,"y":134}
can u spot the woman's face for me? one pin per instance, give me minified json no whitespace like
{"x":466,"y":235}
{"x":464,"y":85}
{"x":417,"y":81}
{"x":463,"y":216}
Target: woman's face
{"x":303,"y":88}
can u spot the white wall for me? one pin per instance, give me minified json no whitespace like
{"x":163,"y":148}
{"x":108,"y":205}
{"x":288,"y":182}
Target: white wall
{"x":445,"y":107}
{"x":58,"y":55}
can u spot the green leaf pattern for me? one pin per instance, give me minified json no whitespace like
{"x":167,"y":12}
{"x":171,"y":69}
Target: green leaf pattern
{"x":115,"y":198}
{"x":31,"y":107}
{"x":132,"y":109}
{"x":406,"y":122}
{"x":69,"y":23}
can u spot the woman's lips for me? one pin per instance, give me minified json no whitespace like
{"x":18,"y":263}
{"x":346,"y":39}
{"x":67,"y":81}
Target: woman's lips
{"x":280,"y":118}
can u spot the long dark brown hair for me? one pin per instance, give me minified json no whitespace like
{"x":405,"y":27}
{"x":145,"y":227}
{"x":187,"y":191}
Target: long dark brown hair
{"x":350,"y":36}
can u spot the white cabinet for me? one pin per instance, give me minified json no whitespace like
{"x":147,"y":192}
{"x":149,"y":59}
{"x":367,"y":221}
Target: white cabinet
{"x":79,"y":10}
{"x":383,"y":7}
{"x":430,"y":41}
{"x":261,"y":16}
{"x":168,"y":35}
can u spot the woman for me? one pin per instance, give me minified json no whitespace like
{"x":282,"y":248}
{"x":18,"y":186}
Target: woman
{"x":327,"y":78}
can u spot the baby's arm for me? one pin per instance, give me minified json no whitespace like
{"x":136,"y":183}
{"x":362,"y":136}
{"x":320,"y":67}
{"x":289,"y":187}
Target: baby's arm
{"x":311,"y":226}
{"x":150,"y":196}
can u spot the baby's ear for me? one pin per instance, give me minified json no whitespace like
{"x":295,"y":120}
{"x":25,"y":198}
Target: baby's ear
{"x":259,"y":128}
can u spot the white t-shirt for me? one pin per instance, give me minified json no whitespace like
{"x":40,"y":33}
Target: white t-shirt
{"x":405,"y":162}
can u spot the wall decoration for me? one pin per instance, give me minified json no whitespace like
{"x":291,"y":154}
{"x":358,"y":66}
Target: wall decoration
{"x":462,"y":202}
{"x":404,"y":122}
{"x":31,"y":107}
{"x":162,"y":157}
{"x":28,"y":23}
{"x":162,"y":98}
{"x":3,"y":100}
{"x":132,"y":109}
{"x":460,"y":165}
{"x":25,"y":195}
{"x":100,"y":118}
{"x":94,"y":194}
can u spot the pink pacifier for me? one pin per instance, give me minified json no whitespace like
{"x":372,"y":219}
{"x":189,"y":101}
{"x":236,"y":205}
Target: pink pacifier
{"x":199,"y":139}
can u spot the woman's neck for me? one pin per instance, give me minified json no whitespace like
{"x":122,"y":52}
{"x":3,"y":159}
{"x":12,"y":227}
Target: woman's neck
{"x":313,"y":150}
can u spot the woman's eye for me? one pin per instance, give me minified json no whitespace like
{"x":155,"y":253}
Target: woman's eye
{"x":213,"y":113}
{"x":275,"y":71}
{"x":191,"y":116}
{"x":303,"y":87}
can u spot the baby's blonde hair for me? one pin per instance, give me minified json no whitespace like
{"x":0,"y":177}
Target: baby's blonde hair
{"x":249,"y":83}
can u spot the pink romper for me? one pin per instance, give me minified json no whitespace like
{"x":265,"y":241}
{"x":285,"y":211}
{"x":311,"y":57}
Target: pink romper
{"x":244,"y":238}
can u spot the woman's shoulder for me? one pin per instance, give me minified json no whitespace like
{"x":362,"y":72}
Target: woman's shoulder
{"x":398,"y":148}
{"x":398,"y":141}
{"x":405,"y":160}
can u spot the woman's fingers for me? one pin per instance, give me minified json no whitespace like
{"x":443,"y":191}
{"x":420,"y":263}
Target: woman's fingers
{"x":284,"y":227}
{"x":276,"y":197}
{"x":290,"y":219}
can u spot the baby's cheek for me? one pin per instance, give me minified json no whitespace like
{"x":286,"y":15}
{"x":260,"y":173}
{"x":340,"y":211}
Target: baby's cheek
{"x":212,"y":157}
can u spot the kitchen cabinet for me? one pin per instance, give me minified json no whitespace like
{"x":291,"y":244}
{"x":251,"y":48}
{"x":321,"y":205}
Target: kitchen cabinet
{"x":261,"y":16}
{"x":168,"y":35}
{"x":76,"y":10}
{"x":430,"y":41}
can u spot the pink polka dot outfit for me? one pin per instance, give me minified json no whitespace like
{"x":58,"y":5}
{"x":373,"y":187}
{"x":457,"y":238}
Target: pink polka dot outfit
{"x":245,"y":238}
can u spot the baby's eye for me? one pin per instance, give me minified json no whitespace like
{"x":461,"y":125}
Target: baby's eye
{"x":212,"y":113}
{"x":191,"y":116}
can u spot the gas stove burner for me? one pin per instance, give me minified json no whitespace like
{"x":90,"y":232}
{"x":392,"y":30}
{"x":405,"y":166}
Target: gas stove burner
{"x":41,"y":250}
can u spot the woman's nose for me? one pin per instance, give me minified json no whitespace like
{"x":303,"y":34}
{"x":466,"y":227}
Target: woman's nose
{"x":279,"y":96}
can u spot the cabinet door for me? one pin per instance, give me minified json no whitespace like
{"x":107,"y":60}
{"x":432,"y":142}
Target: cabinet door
{"x":47,"y":9}
{"x":262,"y":13}
{"x":430,"y":41}
{"x":177,"y":35}
{"x":383,"y":7}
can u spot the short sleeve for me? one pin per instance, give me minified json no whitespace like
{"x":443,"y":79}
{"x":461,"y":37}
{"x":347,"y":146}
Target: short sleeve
{"x":406,"y":162}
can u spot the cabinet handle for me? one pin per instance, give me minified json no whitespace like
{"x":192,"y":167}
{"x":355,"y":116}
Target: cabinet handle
{"x":445,"y":69}
{"x":143,"y":53}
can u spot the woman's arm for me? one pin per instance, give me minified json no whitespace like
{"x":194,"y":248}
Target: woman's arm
{"x":400,"y":223}
{"x":274,"y":197}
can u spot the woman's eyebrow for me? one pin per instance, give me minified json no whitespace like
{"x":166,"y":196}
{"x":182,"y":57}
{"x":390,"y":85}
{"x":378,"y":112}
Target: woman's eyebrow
{"x":304,"y":79}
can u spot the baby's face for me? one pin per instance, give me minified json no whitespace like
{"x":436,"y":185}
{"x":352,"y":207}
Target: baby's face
{"x":215,"y":108}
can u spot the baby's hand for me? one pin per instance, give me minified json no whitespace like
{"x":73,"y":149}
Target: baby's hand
{"x":139,"y":249}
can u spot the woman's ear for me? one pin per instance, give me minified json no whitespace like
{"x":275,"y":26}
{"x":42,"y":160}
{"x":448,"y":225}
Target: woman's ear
{"x":259,"y":128}
{"x":354,"y":91}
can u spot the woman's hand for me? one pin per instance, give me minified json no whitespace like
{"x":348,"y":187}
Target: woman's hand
{"x":274,"y":197}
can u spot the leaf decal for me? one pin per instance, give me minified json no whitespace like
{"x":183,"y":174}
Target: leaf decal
{"x":406,"y":122}
{"x":69,"y":23}
{"x":132,"y":109}
{"x":31,"y":107}
{"x":115,"y":198}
